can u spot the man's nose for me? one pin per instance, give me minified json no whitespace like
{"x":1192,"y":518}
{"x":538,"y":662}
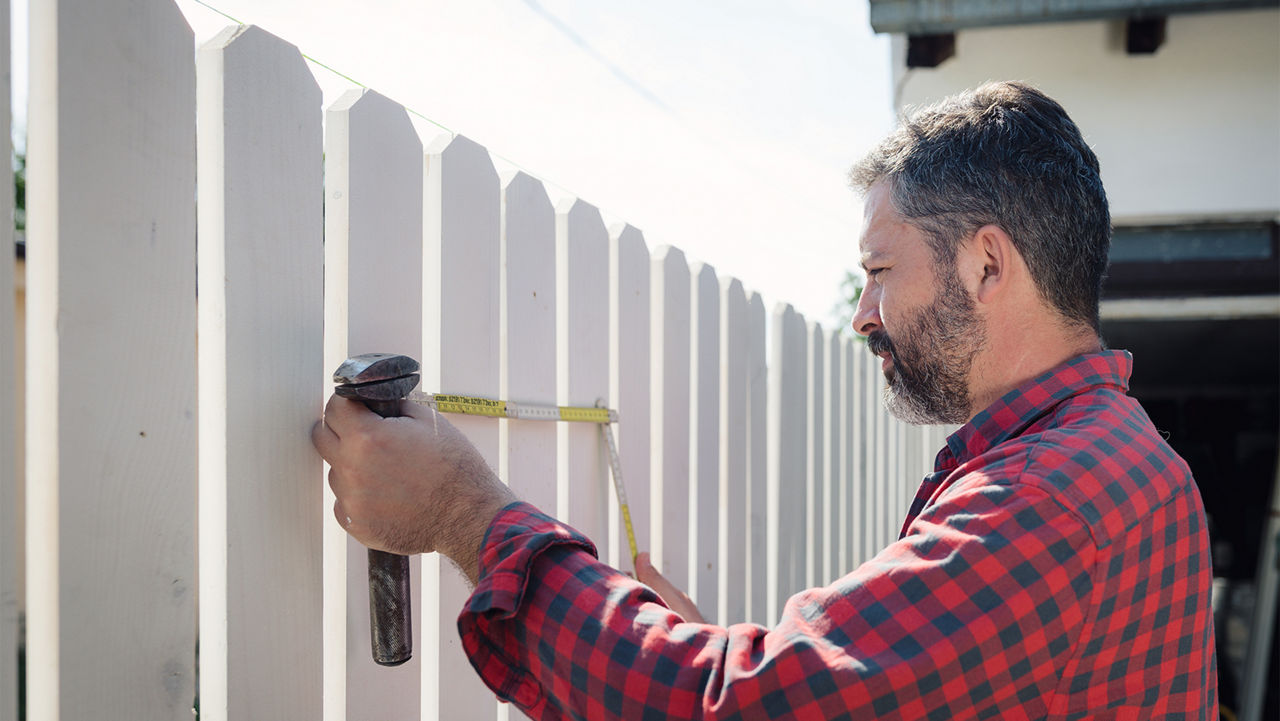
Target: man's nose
{"x":866,"y":317}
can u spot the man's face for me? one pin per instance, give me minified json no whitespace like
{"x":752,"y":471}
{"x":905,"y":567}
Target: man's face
{"x":917,"y":317}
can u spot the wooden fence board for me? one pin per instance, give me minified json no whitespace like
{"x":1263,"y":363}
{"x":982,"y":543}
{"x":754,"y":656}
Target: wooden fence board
{"x":669,"y":413}
{"x":629,"y":383}
{"x":757,"y":442}
{"x":734,"y":453}
{"x":704,"y":448}
{"x":850,"y":456}
{"x":836,"y":494}
{"x":373,"y":291}
{"x":871,"y":456}
{"x":460,"y":355}
{"x":582,"y":367}
{"x":788,"y":459}
{"x":10,"y":573}
{"x":261,"y":349}
{"x":527,"y":458}
{"x":816,"y":530}
{"x":111,"y":386}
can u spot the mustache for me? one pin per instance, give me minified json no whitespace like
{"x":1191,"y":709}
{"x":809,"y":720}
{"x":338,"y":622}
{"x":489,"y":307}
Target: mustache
{"x":878,"y":343}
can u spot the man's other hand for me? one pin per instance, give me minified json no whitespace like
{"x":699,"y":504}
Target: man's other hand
{"x":675,"y":599}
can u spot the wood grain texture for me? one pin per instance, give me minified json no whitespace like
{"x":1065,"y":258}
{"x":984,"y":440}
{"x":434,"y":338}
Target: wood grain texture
{"x":261,"y":347}
{"x":734,"y":453}
{"x":788,"y":459}
{"x":461,"y":225}
{"x":669,"y":419}
{"x":373,"y":303}
{"x":527,"y":458}
{"x":704,"y":447}
{"x":757,"y":441}
{"x":629,"y":383}
{"x":835,"y":492}
{"x":582,"y":367}
{"x":111,"y":360}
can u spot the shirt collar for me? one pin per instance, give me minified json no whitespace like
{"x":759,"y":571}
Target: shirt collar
{"x":1020,"y":407}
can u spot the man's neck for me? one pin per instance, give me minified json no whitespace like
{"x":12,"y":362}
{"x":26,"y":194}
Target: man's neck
{"x":1012,"y":359}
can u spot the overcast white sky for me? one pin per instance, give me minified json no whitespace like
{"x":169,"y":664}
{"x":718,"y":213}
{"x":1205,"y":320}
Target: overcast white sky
{"x":723,"y":128}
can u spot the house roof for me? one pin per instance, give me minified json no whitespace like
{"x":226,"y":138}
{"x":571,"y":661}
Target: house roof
{"x":927,"y":17}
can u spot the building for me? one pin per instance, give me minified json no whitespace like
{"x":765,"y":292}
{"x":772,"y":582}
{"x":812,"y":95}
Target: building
{"x":1181,"y":102}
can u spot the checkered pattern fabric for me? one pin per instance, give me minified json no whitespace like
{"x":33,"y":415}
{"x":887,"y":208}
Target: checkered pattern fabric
{"x":1055,"y":566}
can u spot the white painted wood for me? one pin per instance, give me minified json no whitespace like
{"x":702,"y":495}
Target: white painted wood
{"x":260,"y":322}
{"x":460,"y":355}
{"x":582,"y":367}
{"x":669,"y":409}
{"x":10,"y":572}
{"x":815,"y":488}
{"x":629,"y":384}
{"x":880,"y":458}
{"x":704,"y":448}
{"x":849,"y":457}
{"x":787,"y":459}
{"x":734,"y":453}
{"x":373,"y":264}
{"x":111,"y":443}
{"x":872,"y":457}
{"x":836,"y":492}
{"x":757,"y":468}
{"x":527,"y":449}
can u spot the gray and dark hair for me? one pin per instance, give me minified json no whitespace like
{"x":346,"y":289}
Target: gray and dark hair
{"x":1003,"y":154}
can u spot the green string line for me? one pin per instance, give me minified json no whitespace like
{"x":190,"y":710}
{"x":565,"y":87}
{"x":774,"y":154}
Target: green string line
{"x":448,"y":130}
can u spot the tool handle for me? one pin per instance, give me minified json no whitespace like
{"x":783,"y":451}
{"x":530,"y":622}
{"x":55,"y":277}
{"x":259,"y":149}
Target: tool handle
{"x":390,"y":603}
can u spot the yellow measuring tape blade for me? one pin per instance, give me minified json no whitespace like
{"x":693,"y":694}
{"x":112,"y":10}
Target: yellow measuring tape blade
{"x":493,"y":408}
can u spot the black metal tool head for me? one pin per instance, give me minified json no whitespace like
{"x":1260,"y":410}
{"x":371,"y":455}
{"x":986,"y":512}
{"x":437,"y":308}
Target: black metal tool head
{"x":376,"y":377}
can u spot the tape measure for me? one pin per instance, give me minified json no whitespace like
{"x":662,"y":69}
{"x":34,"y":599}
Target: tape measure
{"x":493,"y":408}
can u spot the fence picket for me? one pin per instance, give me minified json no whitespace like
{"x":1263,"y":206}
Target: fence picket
{"x":757,"y":444}
{"x":704,"y":449}
{"x":111,"y":442}
{"x":261,"y":348}
{"x":816,"y":494}
{"x":850,"y":475}
{"x":582,"y":367}
{"x":629,"y":383}
{"x":837,"y":493}
{"x":527,"y":458}
{"x":669,"y":409}
{"x":734,"y":452}
{"x":788,"y":459}
{"x":373,"y":282}
{"x":10,"y":601}
{"x":460,"y":355}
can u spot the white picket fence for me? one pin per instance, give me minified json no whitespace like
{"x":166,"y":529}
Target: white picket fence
{"x":166,"y":483}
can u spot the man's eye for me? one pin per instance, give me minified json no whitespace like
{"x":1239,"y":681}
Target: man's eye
{"x":873,"y":272}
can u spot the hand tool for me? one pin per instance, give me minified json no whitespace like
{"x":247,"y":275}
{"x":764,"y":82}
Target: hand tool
{"x":381,"y":380}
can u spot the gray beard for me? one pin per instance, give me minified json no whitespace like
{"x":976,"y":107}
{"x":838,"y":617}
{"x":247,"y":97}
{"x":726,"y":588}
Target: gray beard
{"x":928,"y":383}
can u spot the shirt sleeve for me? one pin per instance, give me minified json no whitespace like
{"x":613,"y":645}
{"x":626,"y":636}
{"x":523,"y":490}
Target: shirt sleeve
{"x":973,"y":612}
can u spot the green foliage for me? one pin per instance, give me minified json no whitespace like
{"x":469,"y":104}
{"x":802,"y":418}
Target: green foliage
{"x":20,"y":190}
{"x":850,"y":292}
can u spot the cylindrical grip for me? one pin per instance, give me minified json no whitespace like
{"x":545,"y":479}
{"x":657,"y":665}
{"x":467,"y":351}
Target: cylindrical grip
{"x":390,"y":616}
{"x":390,"y":604}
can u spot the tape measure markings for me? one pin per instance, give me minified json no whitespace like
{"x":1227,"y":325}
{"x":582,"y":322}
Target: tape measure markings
{"x":492,"y":408}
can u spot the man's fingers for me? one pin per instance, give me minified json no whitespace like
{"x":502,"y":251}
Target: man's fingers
{"x":324,"y":439}
{"x":343,"y":414}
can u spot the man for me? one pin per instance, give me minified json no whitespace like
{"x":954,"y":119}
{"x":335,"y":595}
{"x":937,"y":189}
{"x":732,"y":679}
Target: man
{"x":1054,"y":566}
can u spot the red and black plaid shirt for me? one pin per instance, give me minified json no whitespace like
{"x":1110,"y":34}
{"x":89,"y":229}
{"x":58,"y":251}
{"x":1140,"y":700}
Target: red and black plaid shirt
{"x":1055,"y":566}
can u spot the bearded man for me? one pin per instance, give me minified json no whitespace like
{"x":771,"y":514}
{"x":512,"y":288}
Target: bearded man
{"x":1054,"y":566}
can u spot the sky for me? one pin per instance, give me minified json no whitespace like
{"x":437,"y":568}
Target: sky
{"x":722,"y":128}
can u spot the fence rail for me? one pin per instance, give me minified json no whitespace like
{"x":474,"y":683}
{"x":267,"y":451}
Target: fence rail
{"x":757,"y":459}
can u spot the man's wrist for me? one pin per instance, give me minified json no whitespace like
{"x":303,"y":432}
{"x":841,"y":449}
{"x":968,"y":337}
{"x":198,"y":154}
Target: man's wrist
{"x":462,"y":540}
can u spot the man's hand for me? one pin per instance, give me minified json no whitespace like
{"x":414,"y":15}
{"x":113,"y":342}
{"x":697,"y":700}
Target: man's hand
{"x":412,"y":484}
{"x":675,"y":599}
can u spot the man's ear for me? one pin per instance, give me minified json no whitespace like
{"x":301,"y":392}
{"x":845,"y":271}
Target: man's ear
{"x":993,"y":260}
